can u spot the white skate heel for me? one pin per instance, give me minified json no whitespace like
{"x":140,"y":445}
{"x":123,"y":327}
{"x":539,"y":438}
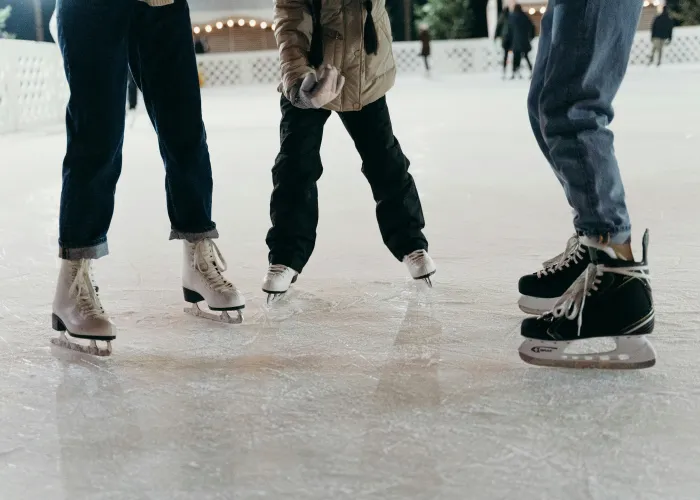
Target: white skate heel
{"x":77,"y":311}
{"x":420,"y":265}
{"x":277,"y":281}
{"x":203,"y":281}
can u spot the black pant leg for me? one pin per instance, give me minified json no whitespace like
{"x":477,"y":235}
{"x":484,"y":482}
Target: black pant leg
{"x":92,"y":37}
{"x":133,"y":92}
{"x":517,"y":57}
{"x":526,"y":56}
{"x":294,"y":201}
{"x":162,"y":60}
{"x":399,"y":210}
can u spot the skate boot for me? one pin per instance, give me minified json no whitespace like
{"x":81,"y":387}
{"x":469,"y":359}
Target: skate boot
{"x":277,"y":281}
{"x":615,"y":296}
{"x":420,"y":266}
{"x":203,"y":281}
{"x":541,"y":290}
{"x":77,"y":311}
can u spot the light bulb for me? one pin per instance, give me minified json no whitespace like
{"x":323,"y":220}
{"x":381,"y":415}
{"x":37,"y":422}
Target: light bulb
{"x":207,"y":28}
{"x":219,"y":25}
{"x":543,"y":10}
{"x":230,"y":23}
{"x":197,"y":30}
{"x":532,"y":11}
{"x":241,"y":22}
{"x":252,"y":23}
{"x":263,"y":25}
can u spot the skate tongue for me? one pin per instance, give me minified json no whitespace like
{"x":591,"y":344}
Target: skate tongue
{"x":594,"y":246}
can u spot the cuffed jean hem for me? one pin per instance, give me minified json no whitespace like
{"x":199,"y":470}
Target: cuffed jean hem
{"x":617,"y":237}
{"x":93,"y":252}
{"x":194,"y":237}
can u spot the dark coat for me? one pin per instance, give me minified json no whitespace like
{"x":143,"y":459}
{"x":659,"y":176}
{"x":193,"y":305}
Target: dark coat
{"x":502,"y":30}
{"x":521,"y":31}
{"x":425,"y":43}
{"x":662,"y":27}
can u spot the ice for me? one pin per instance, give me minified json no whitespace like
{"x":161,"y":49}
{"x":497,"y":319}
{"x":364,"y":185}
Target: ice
{"x":360,"y":385}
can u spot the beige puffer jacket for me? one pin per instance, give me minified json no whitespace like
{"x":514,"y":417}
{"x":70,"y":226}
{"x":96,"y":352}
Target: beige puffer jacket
{"x":368,"y":77}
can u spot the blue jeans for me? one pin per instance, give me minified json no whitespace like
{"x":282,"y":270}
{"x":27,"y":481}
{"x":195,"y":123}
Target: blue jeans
{"x":100,"y":40}
{"x":583,"y":55}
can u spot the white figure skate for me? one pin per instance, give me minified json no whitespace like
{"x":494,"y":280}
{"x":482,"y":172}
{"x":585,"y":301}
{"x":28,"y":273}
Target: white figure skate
{"x":203,"y":281}
{"x":420,"y":265}
{"x":77,"y":311}
{"x":277,"y":281}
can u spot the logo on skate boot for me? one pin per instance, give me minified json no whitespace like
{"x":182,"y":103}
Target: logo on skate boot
{"x":540,"y":348}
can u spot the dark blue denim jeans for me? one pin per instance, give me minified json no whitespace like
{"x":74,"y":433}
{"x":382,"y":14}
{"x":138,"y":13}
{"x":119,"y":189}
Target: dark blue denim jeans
{"x":583,"y":55}
{"x":100,"y":40}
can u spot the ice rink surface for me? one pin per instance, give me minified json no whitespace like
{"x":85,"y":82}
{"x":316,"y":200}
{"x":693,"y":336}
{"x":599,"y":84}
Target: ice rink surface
{"x":360,"y":385}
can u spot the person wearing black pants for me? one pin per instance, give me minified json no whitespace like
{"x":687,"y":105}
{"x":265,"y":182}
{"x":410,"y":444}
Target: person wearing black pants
{"x":101,"y":42}
{"x":294,"y":203}
{"x":521,"y":32}
{"x":361,"y":53}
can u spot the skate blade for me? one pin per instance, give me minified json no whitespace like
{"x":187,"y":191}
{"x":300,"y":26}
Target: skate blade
{"x":92,"y":349}
{"x":536,"y":306}
{"x":223,"y":317}
{"x":632,"y":352}
{"x":273,"y":298}
{"x":427,"y":279}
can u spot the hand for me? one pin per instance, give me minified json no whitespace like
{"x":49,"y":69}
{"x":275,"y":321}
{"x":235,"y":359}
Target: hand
{"x":317,"y":89}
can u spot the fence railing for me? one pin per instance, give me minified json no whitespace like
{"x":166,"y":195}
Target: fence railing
{"x":33,"y":90}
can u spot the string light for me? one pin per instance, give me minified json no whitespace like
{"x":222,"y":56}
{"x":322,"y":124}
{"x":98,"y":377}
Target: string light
{"x":207,"y":28}
{"x":241,"y":22}
{"x":263,"y":25}
{"x":197,"y":30}
{"x":273,"y":26}
{"x":646,"y":4}
{"x":230,"y":23}
{"x":532,"y":11}
{"x":252,"y":23}
{"x":219,"y":25}
{"x":543,"y":10}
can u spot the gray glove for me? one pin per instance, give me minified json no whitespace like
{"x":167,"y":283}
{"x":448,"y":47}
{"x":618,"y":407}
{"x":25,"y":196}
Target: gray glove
{"x":317,"y":89}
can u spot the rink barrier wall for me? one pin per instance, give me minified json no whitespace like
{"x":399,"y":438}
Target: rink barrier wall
{"x":33,"y":90}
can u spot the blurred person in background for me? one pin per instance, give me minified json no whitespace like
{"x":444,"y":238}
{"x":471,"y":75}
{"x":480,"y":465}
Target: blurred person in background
{"x":661,"y":34}
{"x":503,"y":33}
{"x":521,"y":32}
{"x":424,"y":36}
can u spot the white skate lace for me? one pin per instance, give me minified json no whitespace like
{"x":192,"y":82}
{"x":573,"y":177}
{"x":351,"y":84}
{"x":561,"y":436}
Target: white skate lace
{"x":573,"y":253}
{"x":277,"y":269}
{"x":87,"y":298}
{"x":571,"y":304}
{"x":416,"y":258}
{"x":211,"y":264}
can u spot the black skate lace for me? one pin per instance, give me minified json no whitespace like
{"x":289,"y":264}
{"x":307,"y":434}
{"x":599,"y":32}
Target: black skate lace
{"x":211,"y":264}
{"x":571,"y":304}
{"x":573,"y":253}
{"x":85,"y":290}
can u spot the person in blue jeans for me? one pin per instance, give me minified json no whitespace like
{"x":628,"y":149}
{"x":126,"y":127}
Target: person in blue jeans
{"x":101,"y":41}
{"x":583,"y":55}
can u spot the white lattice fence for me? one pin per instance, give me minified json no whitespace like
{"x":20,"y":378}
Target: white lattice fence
{"x":33,"y":91}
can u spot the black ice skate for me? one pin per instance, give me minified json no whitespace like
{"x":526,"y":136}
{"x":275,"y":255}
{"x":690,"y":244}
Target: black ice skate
{"x":616,"y":298}
{"x":540,"y":291}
